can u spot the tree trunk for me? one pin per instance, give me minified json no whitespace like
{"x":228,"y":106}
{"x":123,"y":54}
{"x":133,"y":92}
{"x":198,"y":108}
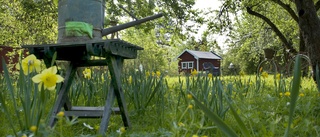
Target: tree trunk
{"x":309,"y":25}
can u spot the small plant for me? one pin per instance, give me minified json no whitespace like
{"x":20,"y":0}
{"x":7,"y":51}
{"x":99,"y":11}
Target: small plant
{"x":25,"y":101}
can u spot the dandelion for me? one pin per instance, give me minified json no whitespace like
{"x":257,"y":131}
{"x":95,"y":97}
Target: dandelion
{"x":31,"y":63}
{"x":158,"y":73}
{"x":287,"y":94}
{"x":60,"y":114}
{"x":48,"y":78}
{"x":190,"y":106}
{"x":194,"y":72}
{"x":33,"y":128}
{"x":180,"y":124}
{"x":301,"y":95}
{"x":264,"y":74}
{"x":189,"y":96}
{"x":87,"y":73}
{"x":210,"y":75}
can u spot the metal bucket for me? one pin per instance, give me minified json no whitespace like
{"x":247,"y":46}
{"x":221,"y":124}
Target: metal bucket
{"x":87,"y":11}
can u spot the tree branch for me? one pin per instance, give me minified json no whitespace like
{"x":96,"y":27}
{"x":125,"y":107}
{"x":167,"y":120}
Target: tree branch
{"x":288,"y":9}
{"x":287,"y":44}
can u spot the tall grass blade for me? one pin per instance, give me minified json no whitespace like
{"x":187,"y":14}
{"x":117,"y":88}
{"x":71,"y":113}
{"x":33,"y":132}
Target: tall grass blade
{"x":242,"y":126}
{"x":53,"y":59}
{"x":294,"y":92}
{"x":216,"y":119}
{"x":10,"y":88}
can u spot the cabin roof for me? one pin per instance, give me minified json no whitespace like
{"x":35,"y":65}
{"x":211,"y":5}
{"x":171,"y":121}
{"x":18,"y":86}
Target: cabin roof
{"x":202,"y":54}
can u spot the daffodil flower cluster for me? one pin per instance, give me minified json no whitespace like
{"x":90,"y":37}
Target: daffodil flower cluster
{"x":48,"y":78}
{"x":87,"y":73}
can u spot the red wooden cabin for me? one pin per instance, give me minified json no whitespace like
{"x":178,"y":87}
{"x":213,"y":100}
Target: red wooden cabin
{"x":191,"y":59}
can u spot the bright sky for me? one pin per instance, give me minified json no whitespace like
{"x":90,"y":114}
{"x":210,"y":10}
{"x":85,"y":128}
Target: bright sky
{"x":205,"y":4}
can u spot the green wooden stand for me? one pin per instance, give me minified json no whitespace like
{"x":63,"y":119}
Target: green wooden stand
{"x":78,"y":54}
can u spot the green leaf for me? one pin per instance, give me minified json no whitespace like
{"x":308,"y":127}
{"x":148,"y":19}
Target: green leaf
{"x":294,"y":92}
{"x":216,"y":119}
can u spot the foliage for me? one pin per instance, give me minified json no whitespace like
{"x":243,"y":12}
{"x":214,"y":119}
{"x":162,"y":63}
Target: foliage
{"x":162,"y":106}
{"x":27,"y":22}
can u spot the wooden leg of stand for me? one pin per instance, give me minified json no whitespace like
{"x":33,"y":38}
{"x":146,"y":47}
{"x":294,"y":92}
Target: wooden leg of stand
{"x":63,"y":94}
{"x":115,"y":66}
{"x":107,"y":111}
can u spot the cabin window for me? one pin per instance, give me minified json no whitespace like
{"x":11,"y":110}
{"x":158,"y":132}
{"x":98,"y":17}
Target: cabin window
{"x":184,"y":65}
{"x":190,"y":65}
{"x":187,"y":65}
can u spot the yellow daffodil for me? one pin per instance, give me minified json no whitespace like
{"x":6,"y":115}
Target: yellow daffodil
{"x":194,"y":72}
{"x":48,"y":78}
{"x":301,"y":95}
{"x":278,"y":76}
{"x":130,"y":79}
{"x":152,"y":74}
{"x":97,"y":127}
{"x":242,"y":73}
{"x":189,"y":96}
{"x":102,"y":77}
{"x":210,"y":75}
{"x":287,"y":94}
{"x":147,"y":74}
{"x":30,"y":64}
{"x":121,"y":130}
{"x":87,"y":73}
{"x":33,"y":128}
{"x":60,"y":114}
{"x":264,"y":74}
{"x":158,"y":73}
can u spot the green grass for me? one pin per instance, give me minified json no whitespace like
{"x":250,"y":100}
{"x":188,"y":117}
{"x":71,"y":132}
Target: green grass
{"x":159,"y":106}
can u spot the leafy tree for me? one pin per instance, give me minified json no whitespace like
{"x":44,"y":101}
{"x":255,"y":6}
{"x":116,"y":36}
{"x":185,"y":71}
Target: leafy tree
{"x":27,"y":22}
{"x":302,"y":12}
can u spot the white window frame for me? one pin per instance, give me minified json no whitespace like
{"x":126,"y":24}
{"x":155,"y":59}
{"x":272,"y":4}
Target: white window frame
{"x":190,"y":63}
{"x":184,"y":63}
{"x":187,"y":63}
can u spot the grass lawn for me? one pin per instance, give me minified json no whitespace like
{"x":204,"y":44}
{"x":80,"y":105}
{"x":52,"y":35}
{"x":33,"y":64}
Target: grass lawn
{"x":159,"y":105}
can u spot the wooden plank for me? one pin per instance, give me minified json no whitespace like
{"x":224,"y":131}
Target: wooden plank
{"x":90,"y":112}
{"x":78,"y":108}
{"x":115,"y":67}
